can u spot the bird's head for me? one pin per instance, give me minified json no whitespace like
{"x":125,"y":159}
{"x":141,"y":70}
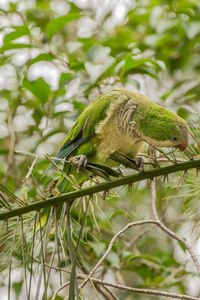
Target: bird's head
{"x":163,"y":128}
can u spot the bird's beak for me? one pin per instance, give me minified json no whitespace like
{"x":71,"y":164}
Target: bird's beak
{"x":183,"y":146}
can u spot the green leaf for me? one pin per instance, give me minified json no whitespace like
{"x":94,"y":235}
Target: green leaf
{"x":59,"y":92}
{"x":17,"y":286}
{"x":39,"y":88}
{"x":65,"y":78}
{"x":19,"y":31}
{"x":37,"y":115}
{"x":78,"y":105}
{"x":56,"y":24}
{"x":58,"y":297}
{"x":74,"y":8}
{"x":12,"y":7}
{"x":10,"y":46}
{"x":75,"y":63}
{"x":40,"y":57}
{"x":147,"y":257}
{"x":131,"y":63}
{"x":182,"y":246}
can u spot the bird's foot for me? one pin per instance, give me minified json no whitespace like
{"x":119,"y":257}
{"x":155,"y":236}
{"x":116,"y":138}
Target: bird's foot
{"x":80,"y":161}
{"x":129,"y":162}
{"x":139,"y":163}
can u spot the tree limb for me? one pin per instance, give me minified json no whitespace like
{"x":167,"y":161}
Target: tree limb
{"x":167,"y":230}
{"x":100,"y":187}
{"x":129,"y":225}
{"x":133,"y":290}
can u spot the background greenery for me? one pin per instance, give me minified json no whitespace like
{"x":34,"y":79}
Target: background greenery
{"x":55,"y":58}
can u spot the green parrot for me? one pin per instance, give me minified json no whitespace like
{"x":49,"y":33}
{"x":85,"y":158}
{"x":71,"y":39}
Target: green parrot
{"x":112,"y":129}
{"x":121,"y":121}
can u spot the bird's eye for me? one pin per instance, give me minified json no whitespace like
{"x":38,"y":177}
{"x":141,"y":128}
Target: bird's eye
{"x":174,"y":139}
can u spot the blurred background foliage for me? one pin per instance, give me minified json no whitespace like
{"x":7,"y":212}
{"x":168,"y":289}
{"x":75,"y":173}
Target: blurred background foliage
{"x":55,"y":58}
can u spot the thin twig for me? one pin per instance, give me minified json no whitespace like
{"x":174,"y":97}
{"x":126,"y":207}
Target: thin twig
{"x":24,"y":258}
{"x":134,"y":290}
{"x":166,"y":160}
{"x":51,"y":264}
{"x":43,"y":258}
{"x":38,"y":186}
{"x":57,"y":241}
{"x":101,"y":290}
{"x":111,"y":293}
{"x":129,"y":225}
{"x":73,"y":289}
{"x":74,"y":183}
{"x":47,"y":240}
{"x":145,"y":291}
{"x":31,"y":168}
{"x":167,"y":230}
{"x":31,"y":189}
{"x":5,"y":190}
{"x":62,"y":287}
{"x":69,"y":272}
{"x":10,"y":260}
{"x":22,"y":152}
{"x":119,"y":286}
{"x":33,"y":244}
{"x":161,"y":151}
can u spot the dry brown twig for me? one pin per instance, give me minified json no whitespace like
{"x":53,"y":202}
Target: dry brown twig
{"x":113,"y":296}
{"x":129,"y":225}
{"x":156,"y":222}
{"x":117,"y":286}
{"x":130,"y":289}
{"x":162,"y":152}
{"x":167,"y":230}
{"x":74,"y":183}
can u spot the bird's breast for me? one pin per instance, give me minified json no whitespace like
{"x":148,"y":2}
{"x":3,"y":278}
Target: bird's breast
{"x":110,"y":139}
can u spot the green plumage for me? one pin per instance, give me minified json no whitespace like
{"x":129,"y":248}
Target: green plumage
{"x":158,"y":123}
{"x":120,"y":120}
{"x":96,"y":112}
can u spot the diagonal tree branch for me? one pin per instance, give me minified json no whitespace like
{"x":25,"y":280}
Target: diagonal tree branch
{"x":129,"y":225}
{"x":133,"y":290}
{"x":167,"y":230}
{"x":100,"y":187}
{"x":119,"y":286}
{"x":156,"y":222}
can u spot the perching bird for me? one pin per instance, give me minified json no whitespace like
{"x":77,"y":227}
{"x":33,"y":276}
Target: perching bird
{"x":117,"y":122}
{"x":121,"y":120}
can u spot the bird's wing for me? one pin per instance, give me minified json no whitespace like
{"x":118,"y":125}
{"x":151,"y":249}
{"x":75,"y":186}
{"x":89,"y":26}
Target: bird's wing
{"x":84,"y":128}
{"x":69,"y":146}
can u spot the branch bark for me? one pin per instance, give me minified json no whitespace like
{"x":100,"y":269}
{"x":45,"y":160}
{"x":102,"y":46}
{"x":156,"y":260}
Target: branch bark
{"x":100,"y":187}
{"x":167,"y":230}
{"x":133,"y":290}
{"x":119,"y":286}
{"x":129,"y":225}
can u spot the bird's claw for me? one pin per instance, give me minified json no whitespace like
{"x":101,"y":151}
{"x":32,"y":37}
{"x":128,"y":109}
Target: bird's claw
{"x":139,"y":163}
{"x":81,"y":162}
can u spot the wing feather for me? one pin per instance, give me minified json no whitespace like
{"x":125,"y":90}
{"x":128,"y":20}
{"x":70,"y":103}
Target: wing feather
{"x":69,"y":147}
{"x":84,"y":127}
